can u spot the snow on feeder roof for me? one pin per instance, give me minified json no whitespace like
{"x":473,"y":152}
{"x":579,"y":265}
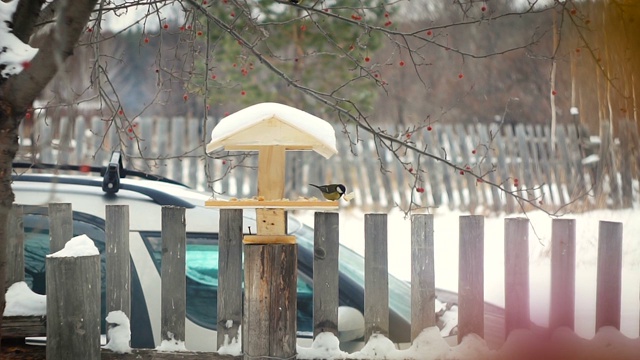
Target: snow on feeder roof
{"x":273,"y":124}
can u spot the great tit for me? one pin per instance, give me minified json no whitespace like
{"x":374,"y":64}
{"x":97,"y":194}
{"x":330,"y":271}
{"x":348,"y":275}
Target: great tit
{"x":331,"y":191}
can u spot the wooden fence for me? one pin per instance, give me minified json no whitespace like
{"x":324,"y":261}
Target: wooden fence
{"x":472,"y":316}
{"x":586,"y":172}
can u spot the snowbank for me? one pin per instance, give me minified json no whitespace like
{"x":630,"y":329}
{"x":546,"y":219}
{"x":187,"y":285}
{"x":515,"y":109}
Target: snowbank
{"x":21,"y":301}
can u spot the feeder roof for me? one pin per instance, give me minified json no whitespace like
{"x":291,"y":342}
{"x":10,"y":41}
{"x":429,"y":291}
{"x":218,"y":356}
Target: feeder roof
{"x":273,"y":124}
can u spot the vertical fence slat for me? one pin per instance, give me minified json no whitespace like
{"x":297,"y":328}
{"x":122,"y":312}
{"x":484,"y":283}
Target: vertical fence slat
{"x":118,"y":259}
{"x":471,"y":276}
{"x":376,"y":275}
{"x":325,"y":273}
{"x":563,"y":273}
{"x":15,"y":247}
{"x":173,"y":302}
{"x":423,"y":285}
{"x":609,"y":285}
{"x":61,"y":225}
{"x":229,"y":276}
{"x":516,"y":274}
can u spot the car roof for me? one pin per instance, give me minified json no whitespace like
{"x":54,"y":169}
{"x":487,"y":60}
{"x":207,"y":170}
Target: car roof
{"x":145,"y":198}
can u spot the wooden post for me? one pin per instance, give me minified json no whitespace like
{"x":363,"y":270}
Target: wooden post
{"x":376,"y":276}
{"x":61,"y":225}
{"x":471,"y":277}
{"x":270,"y":274}
{"x":229,"y":276}
{"x":423,"y":282}
{"x":609,"y":286}
{"x":516,"y":274}
{"x":325,"y":273}
{"x":563,"y":274}
{"x":15,"y":247}
{"x":174,"y":285}
{"x":73,"y":307}
{"x":118,"y":259}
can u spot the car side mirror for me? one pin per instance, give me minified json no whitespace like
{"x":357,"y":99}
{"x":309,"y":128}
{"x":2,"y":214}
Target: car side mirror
{"x":350,"y":324}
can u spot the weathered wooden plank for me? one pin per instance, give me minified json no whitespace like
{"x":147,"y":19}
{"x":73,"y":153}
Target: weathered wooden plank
{"x":15,"y":246}
{"x":496,"y":199}
{"x":466,"y":157}
{"x":384,"y":177}
{"x":423,"y":283}
{"x":545,"y":169}
{"x":61,"y":225}
{"x":563,"y":273}
{"x":556,"y":167}
{"x":376,"y":275}
{"x":626,"y":163}
{"x":23,"y":326}
{"x":516,"y":274}
{"x":269,"y":320}
{"x":172,"y":272}
{"x":118,"y":259}
{"x":471,"y":277}
{"x":229,"y":276}
{"x":177,"y":147}
{"x":609,"y":279}
{"x":454,"y":154}
{"x":73,"y":307}
{"x":575,"y":154}
{"x":325,"y":273}
{"x":503,"y":169}
{"x":435,"y":173}
{"x":571,"y":176}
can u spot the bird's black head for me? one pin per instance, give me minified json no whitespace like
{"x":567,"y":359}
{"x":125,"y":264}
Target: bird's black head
{"x":341,"y":189}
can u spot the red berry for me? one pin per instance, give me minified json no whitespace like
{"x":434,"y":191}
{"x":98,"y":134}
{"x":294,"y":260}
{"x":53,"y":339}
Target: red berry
{"x":303,"y":27}
{"x":411,"y":170}
{"x":460,"y":76}
{"x":25,"y":65}
{"x":461,"y":172}
{"x":429,"y":128}
{"x":233,"y":14}
{"x":27,"y":116}
{"x":199,"y":33}
{"x":224,"y":162}
{"x":484,"y":8}
{"x":429,"y":33}
{"x":234,"y":65}
{"x":515,"y":180}
{"x":553,"y":92}
{"x":367,"y":59}
{"x":165,"y":26}
{"x":243,"y":93}
{"x":89,"y":29}
{"x":401,"y":63}
{"x":185,"y":97}
{"x":468,"y":167}
{"x":204,"y":2}
{"x":213,"y":76}
{"x":388,"y":23}
{"x":573,"y":11}
{"x":120,"y":112}
{"x":351,"y":47}
{"x":188,"y":27}
{"x":208,"y":107}
{"x":408,"y":135}
{"x":473,"y":151}
{"x":386,"y":14}
{"x":479,"y":180}
{"x":420,"y":190}
{"x":146,"y":40}
{"x":577,"y":50}
{"x":181,"y":28}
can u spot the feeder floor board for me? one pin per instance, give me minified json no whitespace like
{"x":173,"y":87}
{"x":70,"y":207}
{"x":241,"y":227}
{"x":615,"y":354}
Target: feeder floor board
{"x":273,"y":204}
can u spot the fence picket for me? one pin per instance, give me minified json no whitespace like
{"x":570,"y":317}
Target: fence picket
{"x":423,"y":283}
{"x":609,"y":282}
{"x":471,"y":276}
{"x":376,"y":276}
{"x":172,"y":272}
{"x":229,"y":304}
{"x":563,"y":273}
{"x":325,"y":273}
{"x":516,"y":272}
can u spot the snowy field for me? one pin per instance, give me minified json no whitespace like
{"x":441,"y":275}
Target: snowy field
{"x":446,"y":261}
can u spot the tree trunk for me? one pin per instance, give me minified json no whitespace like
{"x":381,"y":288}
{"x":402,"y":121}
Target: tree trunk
{"x":8,"y":149}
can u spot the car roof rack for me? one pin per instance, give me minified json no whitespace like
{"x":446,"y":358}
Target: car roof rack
{"x":123,"y":172}
{"x":111,"y":175}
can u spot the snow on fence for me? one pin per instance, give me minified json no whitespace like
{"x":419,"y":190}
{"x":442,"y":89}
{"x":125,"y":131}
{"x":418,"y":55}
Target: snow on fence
{"x":579,"y":169}
{"x":472,"y":317}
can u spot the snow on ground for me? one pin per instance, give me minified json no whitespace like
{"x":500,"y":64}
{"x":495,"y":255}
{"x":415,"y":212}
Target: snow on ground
{"x":21,"y":301}
{"x":446,"y":258}
{"x":119,"y":332}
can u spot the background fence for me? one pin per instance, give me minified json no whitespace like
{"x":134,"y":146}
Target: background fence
{"x":577,"y":168}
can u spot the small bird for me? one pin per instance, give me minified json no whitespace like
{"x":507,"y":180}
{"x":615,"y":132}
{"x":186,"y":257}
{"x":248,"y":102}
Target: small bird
{"x":331,"y":191}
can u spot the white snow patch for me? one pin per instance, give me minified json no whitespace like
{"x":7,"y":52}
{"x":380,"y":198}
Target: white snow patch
{"x":593,"y":158}
{"x":231,"y":347}
{"x":78,"y":246}
{"x":21,"y":301}
{"x":13,"y":52}
{"x":119,"y":332}
{"x":325,"y":346}
{"x":172,"y":344}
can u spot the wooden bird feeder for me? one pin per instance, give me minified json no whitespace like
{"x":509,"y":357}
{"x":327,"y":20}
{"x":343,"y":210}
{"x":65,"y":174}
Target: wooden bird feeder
{"x":272,"y":129}
{"x":270,"y":257}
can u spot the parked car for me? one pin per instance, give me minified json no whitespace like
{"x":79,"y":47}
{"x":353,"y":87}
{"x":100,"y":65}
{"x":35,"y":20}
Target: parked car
{"x":89,"y":194}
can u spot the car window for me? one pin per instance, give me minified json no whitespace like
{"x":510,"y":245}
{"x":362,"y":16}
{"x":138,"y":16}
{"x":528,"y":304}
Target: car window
{"x":36,"y":248}
{"x":202,"y":280}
